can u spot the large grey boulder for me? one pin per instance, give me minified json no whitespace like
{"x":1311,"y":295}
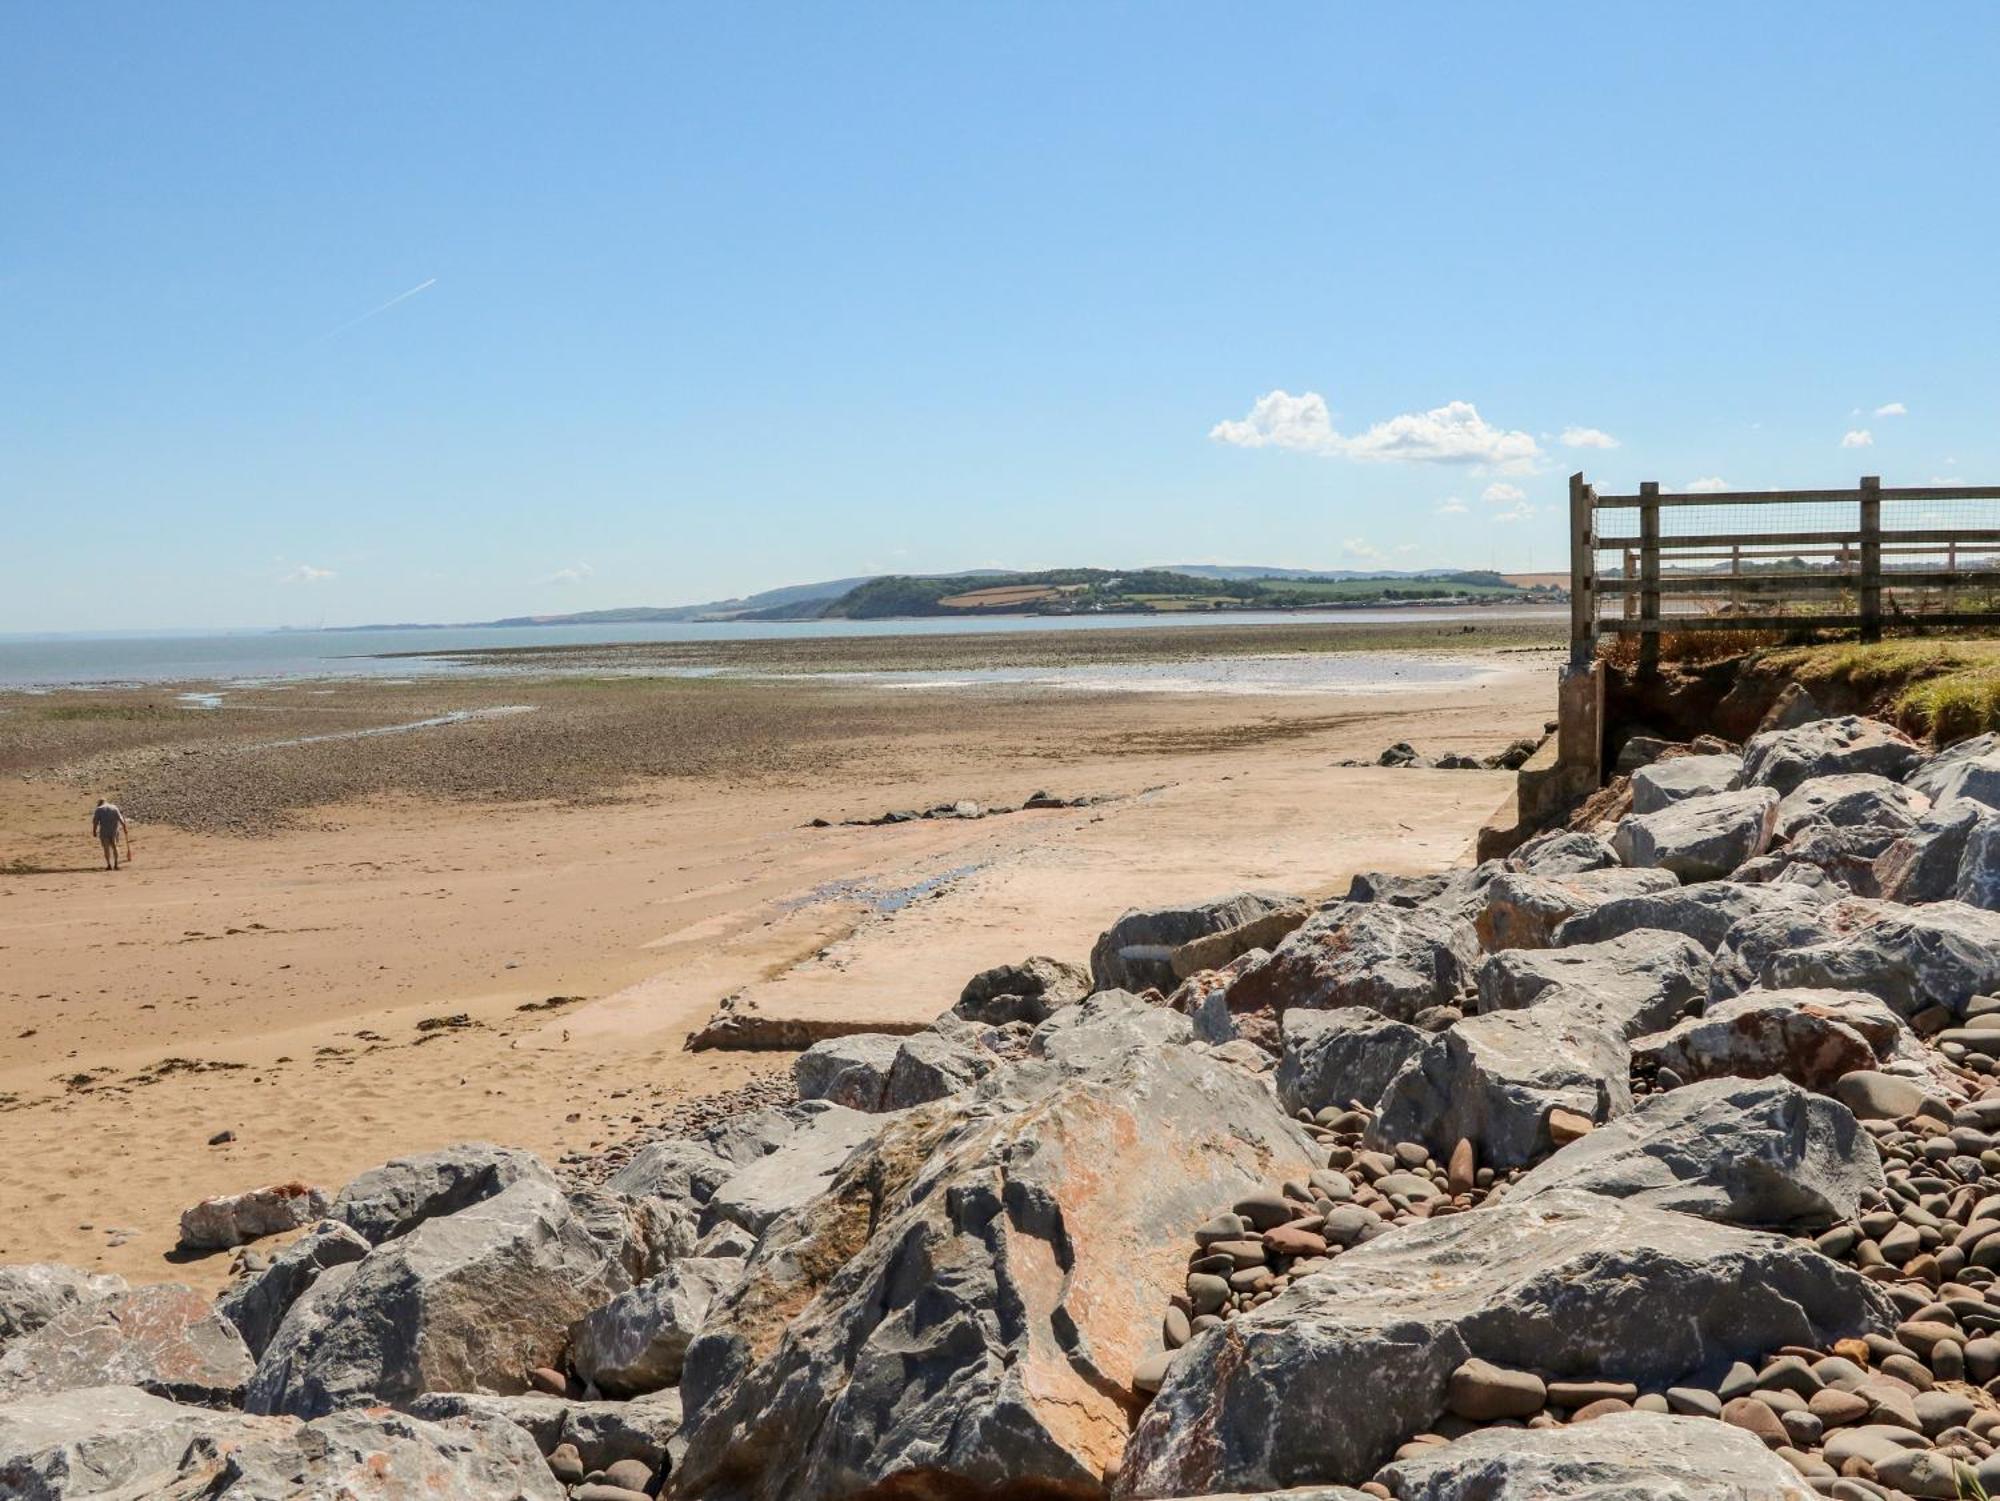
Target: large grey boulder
{"x":1098,"y":1035}
{"x":257,"y":1304}
{"x":690,"y":1169}
{"x":794,"y":1171}
{"x":1333,"y":1058}
{"x":1922,"y":864}
{"x":1553,"y":1034}
{"x":1627,"y":1456}
{"x":850,"y":1070}
{"x":1748,"y":947}
{"x":602,"y":1433}
{"x":467,"y":1301}
{"x":165,"y":1339}
{"x":1030,"y":991}
{"x":1858,"y":799}
{"x":96,"y":1440}
{"x":1395,"y":960}
{"x":1520,"y":911}
{"x":635,"y":1343}
{"x":1493,"y":1080}
{"x":224,"y":1220}
{"x":1811,"y":1037}
{"x":1637,"y":982}
{"x":1979,"y":865}
{"x":1911,"y":957}
{"x":1703,"y":838}
{"x":965,"y":1309}
{"x":940,"y":1061}
{"x":372,"y":1455}
{"x":1825,"y":748}
{"x":1136,"y":952}
{"x":1832,"y":858}
{"x":1665,"y":783}
{"x":32,"y":1293}
{"x":1761,"y":1153}
{"x":395,"y":1198}
{"x":1969,"y":769}
{"x":1322,"y":1382}
{"x":1705,"y":912}
{"x":1563,"y":852}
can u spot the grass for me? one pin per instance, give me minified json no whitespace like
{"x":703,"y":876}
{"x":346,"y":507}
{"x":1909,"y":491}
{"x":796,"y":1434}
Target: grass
{"x":1946,"y":689}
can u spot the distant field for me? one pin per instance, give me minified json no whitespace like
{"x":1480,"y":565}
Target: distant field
{"x":1006,"y":596}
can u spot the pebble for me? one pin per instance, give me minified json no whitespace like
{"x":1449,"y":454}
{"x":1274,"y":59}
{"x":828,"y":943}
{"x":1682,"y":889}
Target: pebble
{"x":1566,"y":1126}
{"x":1480,"y":1390}
{"x":548,"y":1382}
{"x":632,"y":1474}
{"x":566,"y":1464}
{"x":1754,"y":1417}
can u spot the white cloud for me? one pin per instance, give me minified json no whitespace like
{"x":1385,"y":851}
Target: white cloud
{"x":1361,"y":547}
{"x":1403,"y":550}
{"x":1710,"y":485}
{"x":1500,"y":493}
{"x":1587,"y":437}
{"x":1521,"y":512}
{"x":305,"y":573}
{"x":576,"y":573}
{"x":1860,"y":437}
{"x":1454,"y":433}
{"x":1451,"y":505}
{"x":1892,"y":409}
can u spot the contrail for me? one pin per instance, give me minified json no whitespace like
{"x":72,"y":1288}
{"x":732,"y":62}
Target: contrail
{"x":399,"y":297}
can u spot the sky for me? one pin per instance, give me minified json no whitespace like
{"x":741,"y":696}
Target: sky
{"x":341,"y":314}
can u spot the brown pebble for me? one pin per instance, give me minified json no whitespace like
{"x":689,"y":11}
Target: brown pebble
{"x":1603,"y":1407}
{"x":1753,"y":1416}
{"x":1566,"y":1126}
{"x":1464,"y":1168}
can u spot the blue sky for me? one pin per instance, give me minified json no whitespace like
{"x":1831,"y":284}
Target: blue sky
{"x":720,"y":298}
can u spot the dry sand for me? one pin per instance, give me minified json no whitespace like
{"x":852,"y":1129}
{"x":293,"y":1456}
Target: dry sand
{"x":288,"y":987}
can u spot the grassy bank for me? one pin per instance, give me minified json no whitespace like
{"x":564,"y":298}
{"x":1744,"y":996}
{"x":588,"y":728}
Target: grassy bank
{"x":1943,"y":689}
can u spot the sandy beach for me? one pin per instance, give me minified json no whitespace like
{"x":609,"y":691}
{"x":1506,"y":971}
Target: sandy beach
{"x":339,"y":946}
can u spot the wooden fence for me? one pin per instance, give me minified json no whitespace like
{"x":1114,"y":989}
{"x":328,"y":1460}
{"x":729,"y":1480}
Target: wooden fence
{"x":1764,"y":560}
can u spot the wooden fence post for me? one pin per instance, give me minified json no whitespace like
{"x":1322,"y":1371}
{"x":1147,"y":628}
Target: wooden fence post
{"x":1649,"y":576}
{"x":1871,"y":557}
{"x":1582,"y":573}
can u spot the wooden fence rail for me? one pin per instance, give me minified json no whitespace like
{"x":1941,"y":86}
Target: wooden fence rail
{"x":1857,"y":576}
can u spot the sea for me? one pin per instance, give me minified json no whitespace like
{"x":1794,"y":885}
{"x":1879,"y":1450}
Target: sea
{"x":74,"y":660}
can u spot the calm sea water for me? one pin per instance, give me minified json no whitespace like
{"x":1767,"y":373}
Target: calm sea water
{"x":70,"y":660}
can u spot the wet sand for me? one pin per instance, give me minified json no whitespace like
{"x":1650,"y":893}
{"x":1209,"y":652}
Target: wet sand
{"x":504,"y":926}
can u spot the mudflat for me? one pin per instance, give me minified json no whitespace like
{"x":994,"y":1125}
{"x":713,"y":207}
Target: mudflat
{"x":372,"y":917}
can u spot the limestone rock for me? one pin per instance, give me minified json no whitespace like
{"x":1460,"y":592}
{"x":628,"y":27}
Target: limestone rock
{"x":969,"y":1303}
{"x":932,"y":1064}
{"x":1136,"y":952}
{"x":1524,"y":911}
{"x":226,"y":1220}
{"x":636,"y":1342}
{"x":1394,"y":960}
{"x":256,"y":1305}
{"x":1922,"y":865}
{"x":1664,"y":783}
{"x":1333,"y":1057}
{"x":1851,"y":800}
{"x":164,"y":1338}
{"x":372,"y":1455}
{"x":95,"y":1440}
{"x":1969,"y":769}
{"x":1030,"y":991}
{"x":1623,"y":1457}
{"x":1979,"y":866}
{"x":1703,"y":838}
{"x":1563,"y":852}
{"x":1705,"y":912}
{"x":1828,"y":857}
{"x":467,"y":1301}
{"x":1810,"y":1037}
{"x":849,"y":1071}
{"x":1911,"y":957}
{"x":33,"y":1293}
{"x":1828,"y":747}
{"x":602,"y":1433}
{"x":1321,"y":1383}
{"x":1765,"y":1154}
{"x":797,"y":1169}
{"x":1639,"y":981}
{"x":396,"y":1197}
{"x":1748,"y":947}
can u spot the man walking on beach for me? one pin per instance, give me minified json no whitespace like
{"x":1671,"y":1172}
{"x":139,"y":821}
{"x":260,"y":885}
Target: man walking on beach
{"x":108,"y":823}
